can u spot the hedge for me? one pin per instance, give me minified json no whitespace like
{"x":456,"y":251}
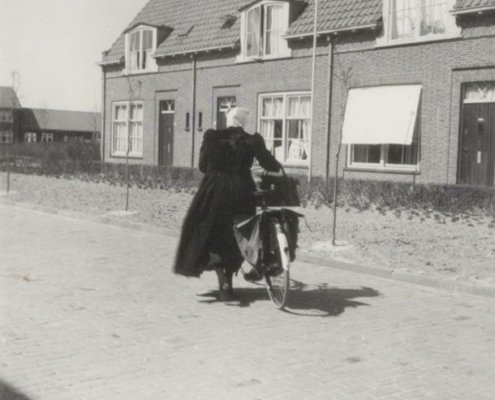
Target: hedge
{"x":361,"y":194}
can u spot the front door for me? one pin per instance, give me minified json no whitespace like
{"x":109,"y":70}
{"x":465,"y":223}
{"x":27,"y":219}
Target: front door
{"x":166,"y":133}
{"x":477,"y":147}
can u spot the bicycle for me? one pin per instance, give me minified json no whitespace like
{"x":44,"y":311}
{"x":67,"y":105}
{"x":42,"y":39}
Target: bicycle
{"x":267,"y":243}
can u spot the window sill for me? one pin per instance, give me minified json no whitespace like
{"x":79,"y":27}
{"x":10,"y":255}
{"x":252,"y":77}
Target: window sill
{"x":295,"y":164}
{"x":243,"y":60}
{"x":140,"y":72}
{"x":123,"y":156}
{"x":388,"y":170}
{"x":409,"y":42}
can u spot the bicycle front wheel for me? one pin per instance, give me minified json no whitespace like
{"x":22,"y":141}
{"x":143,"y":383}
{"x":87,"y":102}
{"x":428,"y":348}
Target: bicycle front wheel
{"x":277,"y":276}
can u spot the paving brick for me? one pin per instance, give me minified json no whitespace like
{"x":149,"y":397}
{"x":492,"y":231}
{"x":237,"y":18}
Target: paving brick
{"x":103,"y":317}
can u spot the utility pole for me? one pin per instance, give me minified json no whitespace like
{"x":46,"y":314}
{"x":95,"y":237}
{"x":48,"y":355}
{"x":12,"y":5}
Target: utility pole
{"x":313,"y":73}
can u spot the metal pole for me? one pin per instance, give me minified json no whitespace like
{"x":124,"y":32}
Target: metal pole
{"x":313,"y":73}
{"x":193,"y":116}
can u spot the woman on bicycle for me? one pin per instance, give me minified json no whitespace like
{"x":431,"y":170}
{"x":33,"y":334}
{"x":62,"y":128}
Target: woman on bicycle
{"x":226,"y":193}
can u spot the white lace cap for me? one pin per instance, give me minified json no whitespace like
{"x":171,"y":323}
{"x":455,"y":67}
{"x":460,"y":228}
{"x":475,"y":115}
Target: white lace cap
{"x":237,"y":116}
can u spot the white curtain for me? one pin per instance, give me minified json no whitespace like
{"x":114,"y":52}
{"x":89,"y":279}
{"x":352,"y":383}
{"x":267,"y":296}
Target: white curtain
{"x":403,"y":15}
{"x":273,"y":31}
{"x":273,"y":107}
{"x":253,"y":32}
{"x":300,"y":106}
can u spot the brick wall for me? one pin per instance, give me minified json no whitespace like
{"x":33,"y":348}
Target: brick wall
{"x":440,"y":67}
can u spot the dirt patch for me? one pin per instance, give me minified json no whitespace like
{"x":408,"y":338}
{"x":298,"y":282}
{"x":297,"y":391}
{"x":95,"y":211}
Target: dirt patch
{"x":456,"y":247}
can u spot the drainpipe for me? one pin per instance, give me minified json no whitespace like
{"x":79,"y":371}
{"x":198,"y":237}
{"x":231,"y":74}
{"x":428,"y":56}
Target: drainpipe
{"x":315,"y":22}
{"x":193,"y":116}
{"x":103,"y":108}
{"x":329,"y":103}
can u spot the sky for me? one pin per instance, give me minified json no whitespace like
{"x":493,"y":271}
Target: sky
{"x":53,"y":46}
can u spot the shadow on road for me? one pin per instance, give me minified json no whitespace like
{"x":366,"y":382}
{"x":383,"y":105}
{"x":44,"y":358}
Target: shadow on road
{"x":7,"y":392}
{"x":304,"y":300}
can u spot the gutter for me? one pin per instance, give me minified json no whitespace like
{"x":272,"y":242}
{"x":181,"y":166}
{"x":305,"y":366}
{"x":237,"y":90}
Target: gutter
{"x":180,"y":53}
{"x":330,"y":31}
{"x":478,"y":10}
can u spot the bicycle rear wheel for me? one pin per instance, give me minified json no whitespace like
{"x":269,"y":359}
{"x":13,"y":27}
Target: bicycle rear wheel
{"x":277,"y":275}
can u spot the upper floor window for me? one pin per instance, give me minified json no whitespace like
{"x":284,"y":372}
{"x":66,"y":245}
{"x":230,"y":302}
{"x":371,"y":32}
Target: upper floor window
{"x":140,"y":45}
{"x":262,"y":30}
{"x":418,"y":20}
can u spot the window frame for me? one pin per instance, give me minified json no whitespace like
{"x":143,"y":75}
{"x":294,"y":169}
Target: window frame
{"x":282,"y":23}
{"x":383,"y":164}
{"x":127,"y":123}
{"x":285,"y":119}
{"x":150,"y":64}
{"x":452,"y":29}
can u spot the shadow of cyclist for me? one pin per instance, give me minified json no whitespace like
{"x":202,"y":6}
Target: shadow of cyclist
{"x":8,"y":392}
{"x":319,"y":300}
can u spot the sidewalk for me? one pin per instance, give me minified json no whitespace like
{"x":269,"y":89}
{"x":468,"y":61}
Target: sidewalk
{"x":92,"y":311}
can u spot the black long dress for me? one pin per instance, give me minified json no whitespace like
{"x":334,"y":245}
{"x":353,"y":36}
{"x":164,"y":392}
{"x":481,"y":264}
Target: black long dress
{"x":225,"y":194}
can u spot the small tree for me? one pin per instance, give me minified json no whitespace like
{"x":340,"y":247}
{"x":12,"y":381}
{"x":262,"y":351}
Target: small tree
{"x":344,"y":76}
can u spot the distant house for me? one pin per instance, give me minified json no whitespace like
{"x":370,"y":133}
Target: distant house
{"x":419,"y":104}
{"x":44,"y":125}
{"x":30,"y":125}
{"x":9,"y":106}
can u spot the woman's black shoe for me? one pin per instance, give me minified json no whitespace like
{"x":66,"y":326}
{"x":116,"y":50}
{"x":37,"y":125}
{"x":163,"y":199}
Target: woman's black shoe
{"x":253,"y":276}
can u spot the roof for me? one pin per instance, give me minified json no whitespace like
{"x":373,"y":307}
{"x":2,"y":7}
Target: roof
{"x":60,"y":120}
{"x":200,"y":25}
{"x":8,"y":98}
{"x":337,"y":15}
{"x":466,"y":6}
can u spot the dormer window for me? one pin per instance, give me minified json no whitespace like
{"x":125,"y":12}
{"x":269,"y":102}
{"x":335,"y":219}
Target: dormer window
{"x":140,"y":45}
{"x":408,"y":21}
{"x":262,"y":29}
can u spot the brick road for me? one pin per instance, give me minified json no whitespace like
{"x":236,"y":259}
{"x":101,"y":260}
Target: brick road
{"x":92,"y":311}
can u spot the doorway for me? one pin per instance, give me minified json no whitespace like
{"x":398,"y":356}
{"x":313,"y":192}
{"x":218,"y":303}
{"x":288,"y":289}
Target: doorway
{"x":166,"y":132}
{"x":477,"y":137}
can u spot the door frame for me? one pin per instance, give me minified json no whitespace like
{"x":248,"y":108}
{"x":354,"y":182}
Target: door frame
{"x":161,"y":156}
{"x":461,"y":127}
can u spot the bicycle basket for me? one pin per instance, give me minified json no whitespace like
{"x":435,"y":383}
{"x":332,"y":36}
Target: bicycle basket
{"x":282,"y":190}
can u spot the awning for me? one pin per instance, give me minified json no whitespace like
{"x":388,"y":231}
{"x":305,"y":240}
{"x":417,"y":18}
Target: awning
{"x":381,"y":115}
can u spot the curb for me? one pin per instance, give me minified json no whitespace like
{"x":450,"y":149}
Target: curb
{"x":417,"y":279}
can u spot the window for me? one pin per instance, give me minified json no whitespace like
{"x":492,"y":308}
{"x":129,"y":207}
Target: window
{"x":127,"y":129}
{"x":6,"y":137}
{"x":30,"y":137}
{"x":386,"y":156}
{"x":141,"y":43}
{"x":47,"y":137}
{"x":416,"y":20}
{"x":200,"y":121}
{"x":285,"y":123}
{"x":262,"y":29}
{"x":188,"y":121}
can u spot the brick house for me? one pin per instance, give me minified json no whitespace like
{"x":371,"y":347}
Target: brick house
{"x":9,"y":106}
{"x":418,"y":106}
